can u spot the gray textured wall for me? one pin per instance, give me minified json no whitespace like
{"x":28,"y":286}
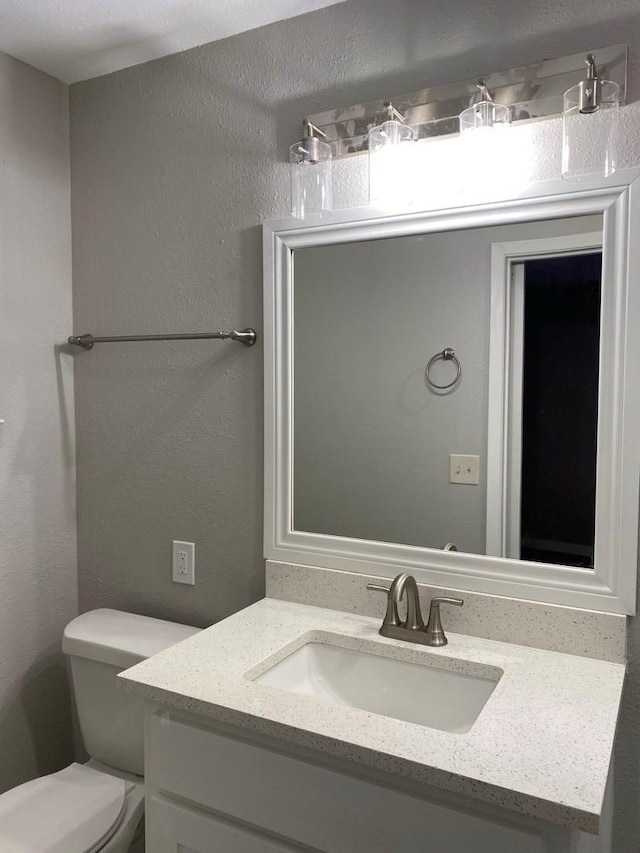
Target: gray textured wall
{"x":175,"y":164}
{"x":371,"y":443}
{"x":38,"y":590}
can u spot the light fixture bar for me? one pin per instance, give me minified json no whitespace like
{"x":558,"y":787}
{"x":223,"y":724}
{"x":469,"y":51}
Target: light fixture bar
{"x":530,"y":92}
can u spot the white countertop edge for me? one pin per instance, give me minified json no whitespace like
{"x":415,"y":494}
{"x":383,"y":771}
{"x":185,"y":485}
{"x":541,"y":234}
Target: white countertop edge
{"x":542,"y":746}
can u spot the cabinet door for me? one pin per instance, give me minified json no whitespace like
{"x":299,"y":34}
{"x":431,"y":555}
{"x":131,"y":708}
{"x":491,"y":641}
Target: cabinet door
{"x":173,"y":828}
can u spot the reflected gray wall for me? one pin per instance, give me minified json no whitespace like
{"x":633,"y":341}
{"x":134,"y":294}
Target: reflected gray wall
{"x":371,"y":441}
{"x":175,"y":164}
{"x":38,"y":586}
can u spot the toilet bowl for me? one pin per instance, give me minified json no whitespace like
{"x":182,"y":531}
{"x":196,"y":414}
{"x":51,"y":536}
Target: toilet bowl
{"x":97,"y":806}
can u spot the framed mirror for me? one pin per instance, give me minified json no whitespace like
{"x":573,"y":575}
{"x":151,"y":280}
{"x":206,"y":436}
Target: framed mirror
{"x":450,"y":393}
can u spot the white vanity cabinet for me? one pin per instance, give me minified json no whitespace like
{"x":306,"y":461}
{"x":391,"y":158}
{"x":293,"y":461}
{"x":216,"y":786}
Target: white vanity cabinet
{"x":232,"y":763}
{"x":215,"y":791}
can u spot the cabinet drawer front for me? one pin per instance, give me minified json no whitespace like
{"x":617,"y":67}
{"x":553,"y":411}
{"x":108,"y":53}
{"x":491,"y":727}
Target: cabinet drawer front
{"x":174,"y":828}
{"x":324,"y":809}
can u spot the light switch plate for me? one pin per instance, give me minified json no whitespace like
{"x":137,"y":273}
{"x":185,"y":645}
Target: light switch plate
{"x":464,"y":469}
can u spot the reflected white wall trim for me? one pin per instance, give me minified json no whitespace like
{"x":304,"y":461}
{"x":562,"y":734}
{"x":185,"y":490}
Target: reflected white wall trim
{"x":504,"y":422}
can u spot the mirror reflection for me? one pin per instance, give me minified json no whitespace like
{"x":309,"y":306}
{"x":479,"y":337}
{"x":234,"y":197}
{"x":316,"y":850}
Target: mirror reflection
{"x":382,"y":454}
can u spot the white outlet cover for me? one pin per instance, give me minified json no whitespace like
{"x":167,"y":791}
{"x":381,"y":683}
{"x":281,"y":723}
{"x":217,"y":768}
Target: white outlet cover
{"x":184,"y":567}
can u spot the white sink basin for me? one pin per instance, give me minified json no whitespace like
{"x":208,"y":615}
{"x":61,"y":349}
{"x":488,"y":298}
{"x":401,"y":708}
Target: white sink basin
{"x":420,"y":693}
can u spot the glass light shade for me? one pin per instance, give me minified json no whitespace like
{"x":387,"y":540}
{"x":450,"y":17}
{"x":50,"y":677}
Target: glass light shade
{"x":483,"y":116}
{"x":310,"y":160}
{"x":590,"y":140}
{"x":486,"y":154}
{"x":391,"y":179}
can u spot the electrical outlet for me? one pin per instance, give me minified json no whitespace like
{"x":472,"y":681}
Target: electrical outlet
{"x":184,"y":562}
{"x":464,"y":469}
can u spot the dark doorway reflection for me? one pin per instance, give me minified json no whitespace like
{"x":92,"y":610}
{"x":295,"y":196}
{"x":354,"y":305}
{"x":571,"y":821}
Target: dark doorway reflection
{"x":560,"y":409}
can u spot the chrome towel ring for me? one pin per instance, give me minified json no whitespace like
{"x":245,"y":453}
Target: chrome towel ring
{"x":447,"y":354}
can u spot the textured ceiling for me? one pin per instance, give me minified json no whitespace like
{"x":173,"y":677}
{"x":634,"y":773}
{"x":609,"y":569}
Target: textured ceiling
{"x":77,"y":39}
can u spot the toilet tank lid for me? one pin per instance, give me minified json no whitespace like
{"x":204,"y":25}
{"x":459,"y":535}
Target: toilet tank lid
{"x":119,"y":638}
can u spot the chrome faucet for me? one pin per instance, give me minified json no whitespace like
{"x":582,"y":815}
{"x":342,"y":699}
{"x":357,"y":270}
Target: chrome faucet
{"x":413,"y":628}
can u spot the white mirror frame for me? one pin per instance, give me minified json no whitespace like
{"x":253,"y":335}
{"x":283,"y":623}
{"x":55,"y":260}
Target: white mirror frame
{"x":611,"y":586}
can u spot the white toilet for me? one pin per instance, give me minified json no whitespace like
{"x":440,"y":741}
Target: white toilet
{"x":97,"y":806}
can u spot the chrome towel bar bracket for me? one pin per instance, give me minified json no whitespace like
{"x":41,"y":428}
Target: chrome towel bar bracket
{"x":447,"y":354}
{"x":247,"y":337}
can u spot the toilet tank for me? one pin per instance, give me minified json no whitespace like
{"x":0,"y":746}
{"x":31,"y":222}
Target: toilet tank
{"x":100,"y":644}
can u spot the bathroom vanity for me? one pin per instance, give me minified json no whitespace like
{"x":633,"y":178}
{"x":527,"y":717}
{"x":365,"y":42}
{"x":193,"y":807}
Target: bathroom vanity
{"x":243,"y":756}
{"x":291,"y":727}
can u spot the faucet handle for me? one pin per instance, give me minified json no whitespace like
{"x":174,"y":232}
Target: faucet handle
{"x":391,"y":616}
{"x":436,"y":602}
{"x":376,"y":587}
{"x":434,"y":628}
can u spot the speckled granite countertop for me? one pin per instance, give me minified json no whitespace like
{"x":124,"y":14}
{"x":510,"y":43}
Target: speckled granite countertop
{"x":541,"y":746}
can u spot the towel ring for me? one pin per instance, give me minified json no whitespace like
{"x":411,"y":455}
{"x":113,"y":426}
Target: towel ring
{"x":447,"y":354}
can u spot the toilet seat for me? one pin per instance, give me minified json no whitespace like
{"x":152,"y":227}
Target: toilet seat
{"x":74,"y":811}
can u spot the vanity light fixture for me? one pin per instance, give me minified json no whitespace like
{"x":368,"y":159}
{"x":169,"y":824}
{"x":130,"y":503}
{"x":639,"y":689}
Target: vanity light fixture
{"x":390,"y":162}
{"x":310,"y":162}
{"x":590,"y":127}
{"x":530,"y":92}
{"x":485,"y":161}
{"x":484,"y":115}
